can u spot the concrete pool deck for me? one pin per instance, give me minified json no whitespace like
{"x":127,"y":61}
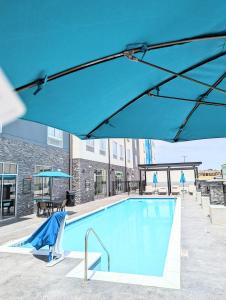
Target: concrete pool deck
{"x":203,"y":265}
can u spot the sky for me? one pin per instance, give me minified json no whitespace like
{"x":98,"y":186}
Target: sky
{"x":211,"y":152}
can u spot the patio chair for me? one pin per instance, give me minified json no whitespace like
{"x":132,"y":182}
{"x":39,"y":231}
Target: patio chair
{"x":61,"y":206}
{"x":44,"y":207}
{"x":191,"y":189}
{"x":5,"y":205}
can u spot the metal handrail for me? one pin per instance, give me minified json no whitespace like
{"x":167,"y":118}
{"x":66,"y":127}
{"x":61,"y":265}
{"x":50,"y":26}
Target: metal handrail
{"x":86,"y":251}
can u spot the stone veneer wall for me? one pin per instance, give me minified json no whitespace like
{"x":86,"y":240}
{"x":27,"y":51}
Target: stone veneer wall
{"x":212,"y":189}
{"x":216,"y":193}
{"x":27,"y":155}
{"x":83,"y":177}
{"x":203,"y":187}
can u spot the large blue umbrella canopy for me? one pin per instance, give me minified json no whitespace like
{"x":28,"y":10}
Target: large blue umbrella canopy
{"x":107,"y":68}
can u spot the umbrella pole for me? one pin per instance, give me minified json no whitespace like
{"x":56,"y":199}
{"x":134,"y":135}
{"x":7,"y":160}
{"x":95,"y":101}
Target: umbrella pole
{"x":183,"y":190}
{"x":51,"y":194}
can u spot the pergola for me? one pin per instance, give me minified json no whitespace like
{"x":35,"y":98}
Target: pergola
{"x":167,"y":167}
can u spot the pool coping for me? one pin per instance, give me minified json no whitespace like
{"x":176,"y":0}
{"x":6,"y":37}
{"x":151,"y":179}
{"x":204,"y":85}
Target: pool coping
{"x":171,"y":274}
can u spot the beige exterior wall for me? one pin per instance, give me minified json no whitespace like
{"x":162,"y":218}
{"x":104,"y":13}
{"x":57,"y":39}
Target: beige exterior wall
{"x":153,"y":149}
{"x":142,"y":151}
{"x":117,"y":156}
{"x":80,"y":150}
{"x":117,"y":151}
{"x":119,"y":160}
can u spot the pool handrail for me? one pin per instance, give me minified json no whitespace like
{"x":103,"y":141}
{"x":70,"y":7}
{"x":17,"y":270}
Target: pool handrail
{"x":86,"y":251}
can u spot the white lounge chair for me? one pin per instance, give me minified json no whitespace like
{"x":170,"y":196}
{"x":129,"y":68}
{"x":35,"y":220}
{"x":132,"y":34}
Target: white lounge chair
{"x":191,"y":189}
{"x":149,"y":189}
{"x":175,"y":190}
{"x":162,"y":191}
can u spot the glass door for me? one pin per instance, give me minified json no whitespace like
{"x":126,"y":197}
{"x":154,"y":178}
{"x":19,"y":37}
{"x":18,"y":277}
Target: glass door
{"x":100,"y":183}
{"x":119,"y":186}
{"x":8,"y":196}
{"x":8,"y":190}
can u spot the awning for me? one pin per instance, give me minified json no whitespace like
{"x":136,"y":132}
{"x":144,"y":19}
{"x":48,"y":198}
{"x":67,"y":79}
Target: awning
{"x":136,"y":69}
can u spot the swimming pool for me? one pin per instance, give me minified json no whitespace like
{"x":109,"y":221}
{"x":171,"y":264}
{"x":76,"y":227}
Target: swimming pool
{"x":142,"y":235}
{"x":136,"y":233}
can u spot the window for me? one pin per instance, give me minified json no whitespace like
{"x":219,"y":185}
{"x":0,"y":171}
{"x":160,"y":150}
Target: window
{"x":55,"y":137}
{"x":128,"y":155}
{"x":121,"y":152}
{"x":42,"y":184}
{"x":10,"y":168}
{"x":103,"y":146}
{"x":90,"y":145}
{"x":115,"y":150}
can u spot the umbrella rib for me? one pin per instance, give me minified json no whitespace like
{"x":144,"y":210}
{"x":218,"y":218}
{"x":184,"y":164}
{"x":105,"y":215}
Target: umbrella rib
{"x":201,"y":63}
{"x":134,"y":58}
{"x":200,"y":101}
{"x":119,"y":55}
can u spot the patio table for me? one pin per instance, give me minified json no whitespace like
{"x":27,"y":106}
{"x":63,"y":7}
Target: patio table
{"x":48,"y":206}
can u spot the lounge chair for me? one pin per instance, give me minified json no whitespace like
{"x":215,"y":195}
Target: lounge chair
{"x":149,"y":189}
{"x":191,"y":189}
{"x":162,"y":191}
{"x":175,"y":190}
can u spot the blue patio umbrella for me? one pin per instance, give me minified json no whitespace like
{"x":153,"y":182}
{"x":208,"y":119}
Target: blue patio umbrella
{"x":120,"y":72}
{"x":182,"y":178}
{"x":47,"y":233}
{"x":155,"y":179}
{"x":7,"y":177}
{"x":51,"y":175}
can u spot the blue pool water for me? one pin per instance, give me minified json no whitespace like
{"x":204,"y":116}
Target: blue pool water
{"x":136,"y":233}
